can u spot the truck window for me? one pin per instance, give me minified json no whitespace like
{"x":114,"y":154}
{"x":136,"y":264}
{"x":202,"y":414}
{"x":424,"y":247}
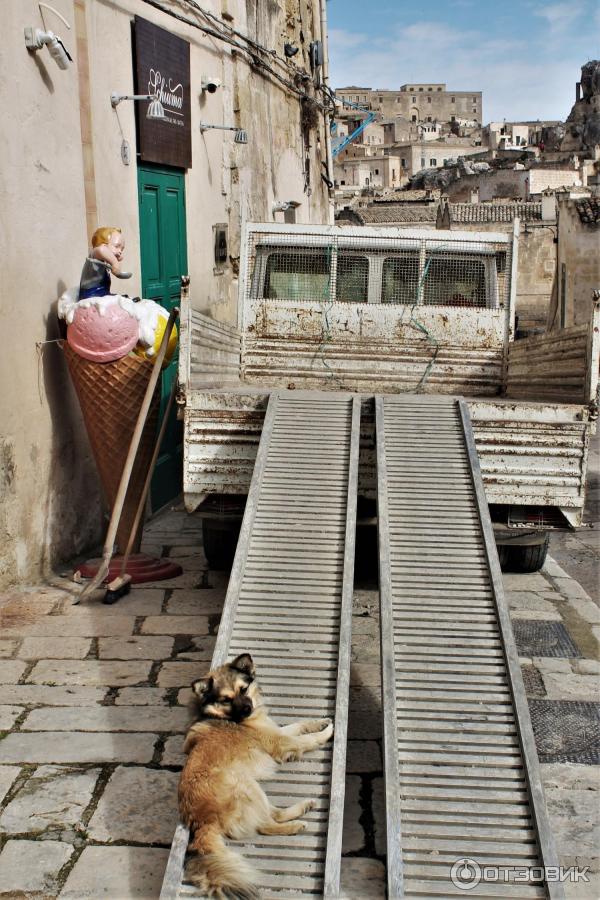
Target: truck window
{"x":456,"y":280}
{"x":352,"y":279}
{"x":298,"y":275}
{"x":400,"y":278}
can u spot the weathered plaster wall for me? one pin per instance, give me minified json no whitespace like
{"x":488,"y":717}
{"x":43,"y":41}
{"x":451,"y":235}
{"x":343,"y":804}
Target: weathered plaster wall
{"x":578,"y":251}
{"x":49,"y":503}
{"x":61,"y":173}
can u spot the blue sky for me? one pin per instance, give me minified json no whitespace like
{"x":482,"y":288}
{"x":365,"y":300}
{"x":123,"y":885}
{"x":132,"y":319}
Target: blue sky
{"x":525,"y":55}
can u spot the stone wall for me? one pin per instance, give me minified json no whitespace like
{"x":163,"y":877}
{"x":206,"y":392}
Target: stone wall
{"x":578,"y":253}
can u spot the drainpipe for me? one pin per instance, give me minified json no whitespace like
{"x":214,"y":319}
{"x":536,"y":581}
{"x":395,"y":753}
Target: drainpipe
{"x":325,"y":79}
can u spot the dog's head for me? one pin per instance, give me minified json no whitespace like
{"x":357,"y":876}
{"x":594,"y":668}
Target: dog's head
{"x":229,"y":692}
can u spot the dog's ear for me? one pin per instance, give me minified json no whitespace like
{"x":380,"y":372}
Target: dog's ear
{"x":243,"y":663}
{"x":203,"y":686}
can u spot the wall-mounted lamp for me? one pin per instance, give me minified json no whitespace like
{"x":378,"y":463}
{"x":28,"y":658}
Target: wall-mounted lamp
{"x":240,"y":137}
{"x":155,"y":108}
{"x":35,"y":39}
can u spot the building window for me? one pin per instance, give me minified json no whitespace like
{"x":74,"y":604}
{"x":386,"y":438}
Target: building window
{"x":342,"y":182}
{"x":414,"y":118}
{"x":393,"y":174}
{"x":474,"y":99}
{"x":429,"y":120}
{"x":400,"y":279}
{"x":433,"y":162}
{"x":414,"y":99}
{"x":352,"y":279}
{"x":297,"y":276}
{"x":439,"y":89}
{"x":377,"y":171}
{"x":381,"y":99}
{"x":421,"y":90}
{"x":452,"y":99}
{"x":403,"y":163}
{"x":429,"y":89}
{"x":429,"y":99}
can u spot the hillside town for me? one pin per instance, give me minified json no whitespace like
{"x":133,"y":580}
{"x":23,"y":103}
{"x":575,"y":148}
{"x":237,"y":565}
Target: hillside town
{"x":299,"y":459}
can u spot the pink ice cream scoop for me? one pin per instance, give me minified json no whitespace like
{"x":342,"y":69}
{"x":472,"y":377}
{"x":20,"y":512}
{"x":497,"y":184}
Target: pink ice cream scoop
{"x":102,"y":337}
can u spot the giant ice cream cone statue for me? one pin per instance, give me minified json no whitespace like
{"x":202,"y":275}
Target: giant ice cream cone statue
{"x":110,"y":395}
{"x":111,"y":381}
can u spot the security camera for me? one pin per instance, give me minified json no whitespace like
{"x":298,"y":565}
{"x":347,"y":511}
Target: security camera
{"x":35,"y":39}
{"x":210,"y":84}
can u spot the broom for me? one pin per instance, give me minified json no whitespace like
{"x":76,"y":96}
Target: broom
{"x":127,"y":469}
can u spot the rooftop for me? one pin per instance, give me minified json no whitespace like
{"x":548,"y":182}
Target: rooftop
{"x":589,"y":210}
{"x":495,"y":212}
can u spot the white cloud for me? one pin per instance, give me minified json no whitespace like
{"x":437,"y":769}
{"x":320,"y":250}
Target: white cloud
{"x":560,"y":15}
{"x":521,"y":77}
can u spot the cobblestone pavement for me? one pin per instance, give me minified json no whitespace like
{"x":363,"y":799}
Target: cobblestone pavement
{"x":93,"y":711}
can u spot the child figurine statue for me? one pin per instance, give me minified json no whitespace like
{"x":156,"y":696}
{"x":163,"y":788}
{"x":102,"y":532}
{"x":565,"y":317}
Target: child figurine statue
{"x":104,"y":260}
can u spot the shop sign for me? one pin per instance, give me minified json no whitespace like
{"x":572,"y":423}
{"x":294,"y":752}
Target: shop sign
{"x":162,"y":64}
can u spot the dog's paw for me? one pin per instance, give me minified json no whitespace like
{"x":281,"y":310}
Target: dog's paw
{"x":323,"y":723}
{"x":326,"y":734}
{"x":291,"y":756}
{"x":309,"y":804}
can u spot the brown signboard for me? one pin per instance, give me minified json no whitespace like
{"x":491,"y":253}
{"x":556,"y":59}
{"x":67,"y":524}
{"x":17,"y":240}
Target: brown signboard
{"x":162,"y":62}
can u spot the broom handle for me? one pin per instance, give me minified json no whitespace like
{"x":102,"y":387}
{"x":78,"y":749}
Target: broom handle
{"x":142,"y":503}
{"x":129,"y":462}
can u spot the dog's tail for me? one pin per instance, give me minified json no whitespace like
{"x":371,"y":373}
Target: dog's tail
{"x":217,"y":870}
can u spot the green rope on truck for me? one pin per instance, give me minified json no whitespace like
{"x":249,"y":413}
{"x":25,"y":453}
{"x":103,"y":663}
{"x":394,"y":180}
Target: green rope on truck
{"x":415,"y":323}
{"x":326,"y":303}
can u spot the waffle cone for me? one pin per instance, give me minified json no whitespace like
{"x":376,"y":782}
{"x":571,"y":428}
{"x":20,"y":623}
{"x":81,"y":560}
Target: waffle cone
{"x":110,"y":396}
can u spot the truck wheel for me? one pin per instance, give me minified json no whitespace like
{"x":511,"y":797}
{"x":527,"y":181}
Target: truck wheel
{"x":219,"y":543}
{"x":525,"y":559}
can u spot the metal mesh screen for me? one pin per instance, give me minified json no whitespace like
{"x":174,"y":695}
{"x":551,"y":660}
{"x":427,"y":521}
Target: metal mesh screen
{"x":342,"y":266}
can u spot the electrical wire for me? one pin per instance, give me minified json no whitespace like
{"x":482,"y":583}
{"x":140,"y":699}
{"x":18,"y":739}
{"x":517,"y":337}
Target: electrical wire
{"x":256,"y":61}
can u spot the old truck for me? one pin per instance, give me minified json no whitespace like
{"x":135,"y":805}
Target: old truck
{"x":372,"y":312}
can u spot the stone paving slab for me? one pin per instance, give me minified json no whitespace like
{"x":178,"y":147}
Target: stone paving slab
{"x":135,"y":647}
{"x":52,"y":695}
{"x":179,"y":674}
{"x":140,"y":602}
{"x":76,"y":747}
{"x":8,"y":648}
{"x":116,"y":873}
{"x":363,"y":756}
{"x":196,"y":603}
{"x":52,"y":799}
{"x":362,"y":879}
{"x":54,"y":648}
{"x":141,"y":696}
{"x":85,"y":624}
{"x":90,"y":672}
{"x":108,"y":718}
{"x":138,"y":805}
{"x":11,"y":670}
{"x":8,"y":775}
{"x":176,"y":625}
{"x":173,"y":754}
{"x":8,"y":716}
{"x":32,"y":866}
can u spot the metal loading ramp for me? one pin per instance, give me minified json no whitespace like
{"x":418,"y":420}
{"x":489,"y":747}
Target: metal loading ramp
{"x":461,"y":770}
{"x":289,"y":604}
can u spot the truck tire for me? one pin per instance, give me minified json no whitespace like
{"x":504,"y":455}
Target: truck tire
{"x":219,"y":542}
{"x":525,"y":559}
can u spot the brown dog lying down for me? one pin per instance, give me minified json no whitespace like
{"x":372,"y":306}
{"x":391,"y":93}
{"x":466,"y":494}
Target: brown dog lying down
{"x":232,"y":747}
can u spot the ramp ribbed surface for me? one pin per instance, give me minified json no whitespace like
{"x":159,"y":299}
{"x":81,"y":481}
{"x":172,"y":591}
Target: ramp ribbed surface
{"x":289,"y":605}
{"x":456,"y":780}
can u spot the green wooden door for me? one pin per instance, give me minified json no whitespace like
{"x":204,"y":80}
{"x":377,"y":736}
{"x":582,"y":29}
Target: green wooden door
{"x":164,"y":260}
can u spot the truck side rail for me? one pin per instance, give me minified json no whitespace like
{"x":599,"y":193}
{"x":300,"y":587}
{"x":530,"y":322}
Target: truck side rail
{"x":209,"y":351}
{"x":559,"y":365}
